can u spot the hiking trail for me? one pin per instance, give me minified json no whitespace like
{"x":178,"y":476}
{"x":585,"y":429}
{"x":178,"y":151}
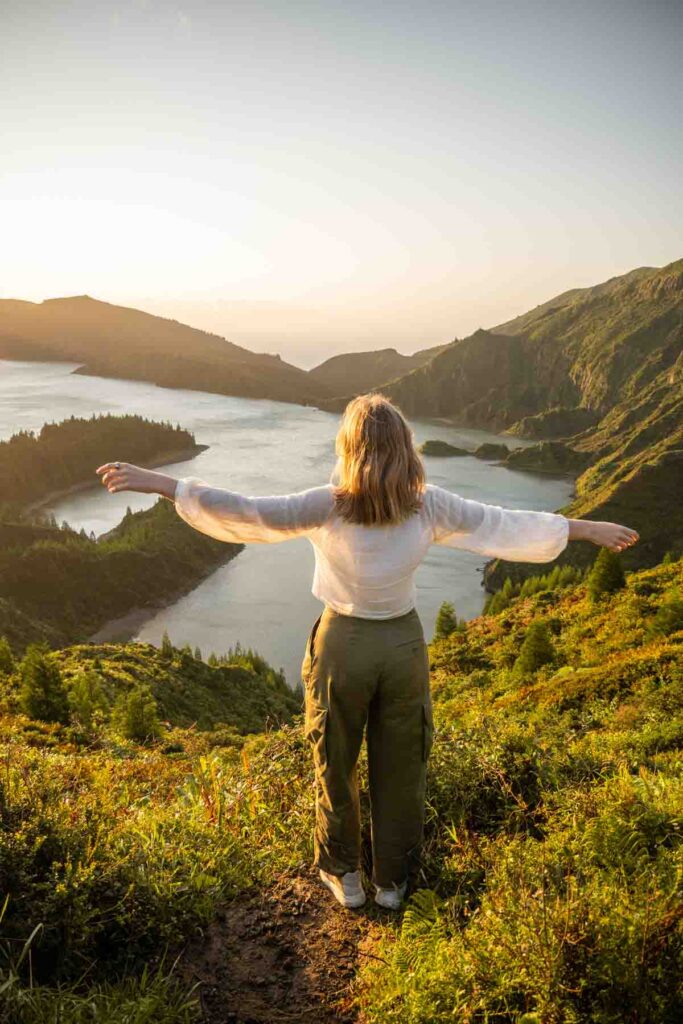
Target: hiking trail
{"x":284,"y":953}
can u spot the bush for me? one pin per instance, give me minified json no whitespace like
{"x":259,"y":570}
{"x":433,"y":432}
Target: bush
{"x":446,"y":621}
{"x":87,"y":701}
{"x":42,"y":694}
{"x":6,"y":656}
{"x":536,"y":650}
{"x":606,"y":575}
{"x":669,"y":616}
{"x":135,"y":715}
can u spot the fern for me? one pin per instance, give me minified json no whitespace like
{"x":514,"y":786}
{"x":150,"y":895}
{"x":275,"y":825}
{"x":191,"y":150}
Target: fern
{"x":423,"y":929}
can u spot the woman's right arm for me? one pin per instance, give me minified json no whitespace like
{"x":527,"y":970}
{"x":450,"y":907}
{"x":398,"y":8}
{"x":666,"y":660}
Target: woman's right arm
{"x":223,"y":514}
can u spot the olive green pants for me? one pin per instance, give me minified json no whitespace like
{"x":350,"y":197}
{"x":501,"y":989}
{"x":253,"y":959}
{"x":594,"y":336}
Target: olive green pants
{"x":376,"y":672}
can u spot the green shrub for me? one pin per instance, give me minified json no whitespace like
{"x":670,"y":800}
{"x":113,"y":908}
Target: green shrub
{"x":606,"y":575}
{"x":6,"y":656}
{"x":536,"y":650}
{"x":446,"y":621}
{"x":135,"y":715}
{"x":669,"y":616}
{"x":87,"y":701}
{"x":42,"y":694}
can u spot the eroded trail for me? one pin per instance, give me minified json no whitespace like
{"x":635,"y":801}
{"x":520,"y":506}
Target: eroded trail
{"x":286,"y":953}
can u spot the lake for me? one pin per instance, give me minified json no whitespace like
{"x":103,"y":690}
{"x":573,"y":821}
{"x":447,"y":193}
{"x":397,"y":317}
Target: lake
{"x":262,"y":598}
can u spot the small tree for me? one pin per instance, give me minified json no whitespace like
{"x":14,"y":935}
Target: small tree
{"x":87,"y":701}
{"x":167,"y":649}
{"x":135,"y":715}
{"x":607,"y":574}
{"x":187,"y":657}
{"x":536,"y":650}
{"x":6,"y":656}
{"x":446,"y":621}
{"x":41,"y":692}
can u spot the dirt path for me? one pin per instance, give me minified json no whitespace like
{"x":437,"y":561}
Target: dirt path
{"x":287,"y":953}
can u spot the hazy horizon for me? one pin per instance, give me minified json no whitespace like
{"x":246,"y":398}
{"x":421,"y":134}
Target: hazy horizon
{"x":314,"y":179}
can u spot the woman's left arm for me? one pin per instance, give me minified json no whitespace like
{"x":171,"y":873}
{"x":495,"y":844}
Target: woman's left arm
{"x":223,"y":514}
{"x":517,"y":535}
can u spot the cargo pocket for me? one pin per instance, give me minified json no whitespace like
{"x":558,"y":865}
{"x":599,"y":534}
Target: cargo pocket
{"x":309,"y":656}
{"x":315,"y":731}
{"x":427,"y":730}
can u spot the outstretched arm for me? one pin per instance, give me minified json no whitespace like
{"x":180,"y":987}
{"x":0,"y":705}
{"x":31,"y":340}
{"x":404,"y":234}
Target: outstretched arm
{"x":517,"y":535}
{"x":223,"y":514}
{"x":604,"y":534}
{"x":123,"y":476}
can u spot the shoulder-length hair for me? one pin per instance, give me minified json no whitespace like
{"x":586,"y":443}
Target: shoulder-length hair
{"x":379,"y":476}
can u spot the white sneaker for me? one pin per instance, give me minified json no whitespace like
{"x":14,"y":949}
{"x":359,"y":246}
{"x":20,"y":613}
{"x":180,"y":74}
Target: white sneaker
{"x":392,"y":898}
{"x":347,"y":889}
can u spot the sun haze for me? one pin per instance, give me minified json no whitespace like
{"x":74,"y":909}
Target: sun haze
{"x":316,"y":177}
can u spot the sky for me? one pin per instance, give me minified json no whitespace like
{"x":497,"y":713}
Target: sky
{"x":309,"y":178}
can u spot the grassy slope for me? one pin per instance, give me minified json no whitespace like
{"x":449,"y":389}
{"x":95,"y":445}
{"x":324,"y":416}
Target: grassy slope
{"x":552,"y":866}
{"x":187,"y":690}
{"x":553,"y":842}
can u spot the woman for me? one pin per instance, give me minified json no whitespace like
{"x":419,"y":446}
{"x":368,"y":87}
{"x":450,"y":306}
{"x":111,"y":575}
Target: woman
{"x":366,"y":657}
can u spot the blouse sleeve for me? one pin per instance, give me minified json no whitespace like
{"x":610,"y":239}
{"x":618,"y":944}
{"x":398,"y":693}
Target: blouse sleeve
{"x":229,"y":516}
{"x":518,"y":535}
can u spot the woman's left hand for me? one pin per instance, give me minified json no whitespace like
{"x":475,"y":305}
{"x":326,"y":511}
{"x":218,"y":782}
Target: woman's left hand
{"x":122,"y":476}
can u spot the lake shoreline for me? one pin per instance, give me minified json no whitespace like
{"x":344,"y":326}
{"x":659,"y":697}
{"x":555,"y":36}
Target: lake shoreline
{"x":165,"y":459}
{"x":123,"y":628}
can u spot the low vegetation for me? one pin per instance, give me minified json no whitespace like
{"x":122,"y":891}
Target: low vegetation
{"x":60,"y":586}
{"x":550,"y":889}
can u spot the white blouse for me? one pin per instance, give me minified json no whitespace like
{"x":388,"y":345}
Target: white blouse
{"x":368,"y":571}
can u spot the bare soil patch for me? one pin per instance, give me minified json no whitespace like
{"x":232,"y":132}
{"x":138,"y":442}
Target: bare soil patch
{"x":287,"y":953}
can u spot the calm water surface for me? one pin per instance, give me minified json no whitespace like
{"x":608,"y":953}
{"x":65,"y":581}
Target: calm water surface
{"x":262,"y":597}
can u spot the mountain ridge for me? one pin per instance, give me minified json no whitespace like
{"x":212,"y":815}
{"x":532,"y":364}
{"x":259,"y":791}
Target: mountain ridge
{"x":123,"y":342}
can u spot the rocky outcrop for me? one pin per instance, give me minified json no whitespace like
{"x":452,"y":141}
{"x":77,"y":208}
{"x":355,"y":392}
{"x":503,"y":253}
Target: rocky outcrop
{"x":549,"y":457}
{"x":489,"y":450}
{"x":555,"y":423}
{"x":441,"y":448}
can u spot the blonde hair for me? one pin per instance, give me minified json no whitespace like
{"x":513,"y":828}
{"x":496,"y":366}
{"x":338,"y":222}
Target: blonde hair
{"x":379,"y":476}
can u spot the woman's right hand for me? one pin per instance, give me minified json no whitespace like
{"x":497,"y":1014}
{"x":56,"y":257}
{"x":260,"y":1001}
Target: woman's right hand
{"x":612,"y":535}
{"x":123,"y":476}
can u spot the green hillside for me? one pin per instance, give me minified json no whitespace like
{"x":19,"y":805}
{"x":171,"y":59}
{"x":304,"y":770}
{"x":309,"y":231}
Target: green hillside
{"x":588,"y":349}
{"x":554,"y":866}
{"x":62,"y":585}
{"x":551,"y":886}
{"x":116,"y":341}
{"x":597,"y":371}
{"x":63,"y":456}
{"x":356,"y":372}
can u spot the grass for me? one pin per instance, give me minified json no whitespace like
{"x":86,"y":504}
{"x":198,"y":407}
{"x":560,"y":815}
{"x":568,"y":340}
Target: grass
{"x":551,"y":881}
